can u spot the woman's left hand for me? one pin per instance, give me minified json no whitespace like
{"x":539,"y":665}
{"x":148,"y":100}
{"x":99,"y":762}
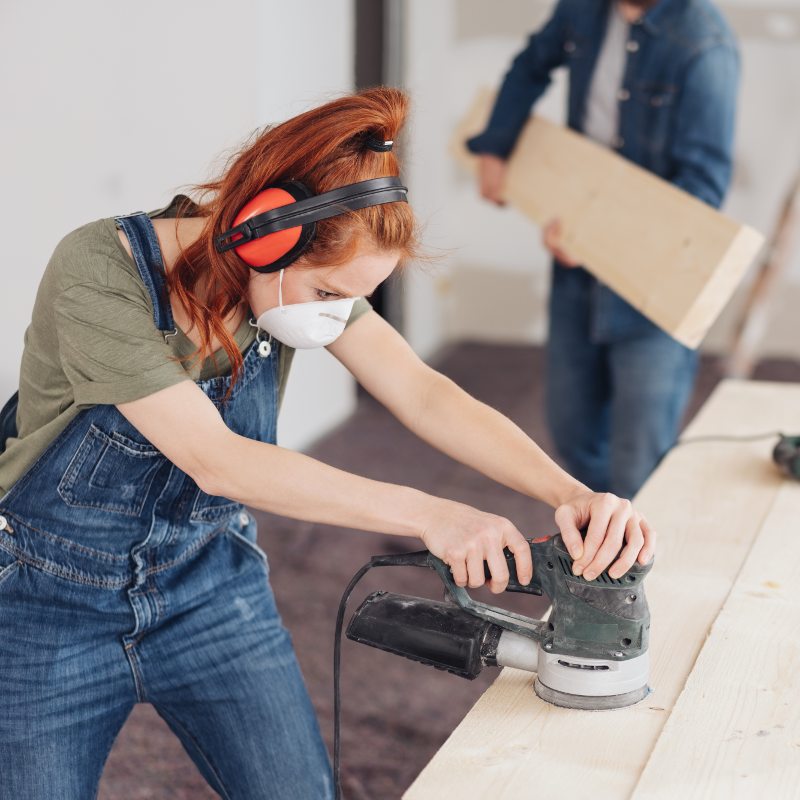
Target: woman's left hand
{"x":613,"y":525}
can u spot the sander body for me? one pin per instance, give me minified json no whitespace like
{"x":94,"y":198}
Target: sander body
{"x":590,"y":653}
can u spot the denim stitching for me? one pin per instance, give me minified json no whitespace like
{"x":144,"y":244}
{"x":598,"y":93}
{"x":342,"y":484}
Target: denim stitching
{"x":131,"y":230}
{"x":54,"y":569}
{"x":77,"y":461}
{"x":188,"y":552}
{"x":133,"y":662}
{"x":104,"y":583}
{"x":8,"y":571}
{"x":161,"y":608}
{"x":246,"y":544}
{"x":211,"y":513}
{"x":69,"y":544}
{"x":67,"y":482}
{"x":165,"y":310}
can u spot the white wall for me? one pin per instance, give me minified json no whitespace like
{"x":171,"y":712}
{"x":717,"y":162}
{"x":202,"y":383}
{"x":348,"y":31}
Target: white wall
{"x":109,"y":108}
{"x":306,"y":58}
{"x":492,"y":283}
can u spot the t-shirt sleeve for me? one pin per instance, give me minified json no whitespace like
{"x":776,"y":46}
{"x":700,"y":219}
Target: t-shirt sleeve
{"x":360,"y":307}
{"x":109,"y":347}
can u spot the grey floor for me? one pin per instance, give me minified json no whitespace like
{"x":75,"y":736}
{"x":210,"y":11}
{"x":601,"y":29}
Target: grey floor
{"x":396,"y":713}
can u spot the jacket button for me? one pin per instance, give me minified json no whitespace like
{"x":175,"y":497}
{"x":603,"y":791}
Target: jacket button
{"x":4,"y":524}
{"x":623,"y":95}
{"x":244,"y":519}
{"x":569,"y":47}
{"x":619,"y":142}
{"x":632,"y":46}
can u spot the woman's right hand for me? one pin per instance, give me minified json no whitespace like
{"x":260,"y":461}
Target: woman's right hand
{"x":464,"y":537}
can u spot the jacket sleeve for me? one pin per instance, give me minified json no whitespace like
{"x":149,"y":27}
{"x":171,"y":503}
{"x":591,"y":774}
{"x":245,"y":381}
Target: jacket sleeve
{"x":702,"y":147}
{"x":523,"y":85}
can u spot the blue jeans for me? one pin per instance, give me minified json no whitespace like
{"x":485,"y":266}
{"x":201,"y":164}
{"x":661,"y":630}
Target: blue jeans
{"x":615,"y":394}
{"x":122,"y":581}
{"x":211,"y":656}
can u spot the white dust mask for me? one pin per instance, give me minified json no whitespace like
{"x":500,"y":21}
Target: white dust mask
{"x":305,"y":325}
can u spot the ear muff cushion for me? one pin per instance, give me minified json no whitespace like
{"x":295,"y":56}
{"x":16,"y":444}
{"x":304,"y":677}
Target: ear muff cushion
{"x":279,"y":249}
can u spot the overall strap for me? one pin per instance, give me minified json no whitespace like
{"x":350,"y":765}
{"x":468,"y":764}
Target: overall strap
{"x":8,"y":420}
{"x":147,"y":255}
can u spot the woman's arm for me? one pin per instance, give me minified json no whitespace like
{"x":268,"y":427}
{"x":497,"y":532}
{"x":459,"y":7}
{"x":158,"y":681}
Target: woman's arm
{"x":445,"y":416}
{"x":185,"y":425}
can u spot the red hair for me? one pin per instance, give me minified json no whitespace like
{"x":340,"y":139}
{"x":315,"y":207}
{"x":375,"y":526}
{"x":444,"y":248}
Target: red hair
{"x":324,"y":148}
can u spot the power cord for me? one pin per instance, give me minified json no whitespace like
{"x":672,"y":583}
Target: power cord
{"x":337,"y":657}
{"x":417,"y":558}
{"x":785,"y":453}
{"x":725,"y":438}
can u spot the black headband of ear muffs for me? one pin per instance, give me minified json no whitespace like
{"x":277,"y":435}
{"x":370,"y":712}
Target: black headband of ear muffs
{"x":352,"y":197}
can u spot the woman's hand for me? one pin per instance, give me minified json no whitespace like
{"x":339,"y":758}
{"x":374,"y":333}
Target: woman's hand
{"x":613,"y":525}
{"x":464,"y":538}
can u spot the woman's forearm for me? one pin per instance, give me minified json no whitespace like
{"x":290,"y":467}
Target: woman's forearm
{"x":291,"y":484}
{"x":479,"y":436}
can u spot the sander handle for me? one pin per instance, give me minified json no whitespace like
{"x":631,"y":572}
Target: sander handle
{"x":534,"y":587}
{"x":510,"y":620}
{"x":424,"y":558}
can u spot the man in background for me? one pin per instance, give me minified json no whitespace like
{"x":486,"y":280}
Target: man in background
{"x":656,"y":82}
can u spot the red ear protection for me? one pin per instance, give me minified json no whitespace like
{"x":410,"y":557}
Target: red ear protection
{"x":279,"y":249}
{"x":273,"y":229}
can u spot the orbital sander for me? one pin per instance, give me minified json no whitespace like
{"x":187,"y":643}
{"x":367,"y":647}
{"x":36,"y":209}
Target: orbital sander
{"x":590,"y":653}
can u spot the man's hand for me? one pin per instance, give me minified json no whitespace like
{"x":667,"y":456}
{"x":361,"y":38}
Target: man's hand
{"x":613,"y":525}
{"x":551,"y":238}
{"x":492,"y":178}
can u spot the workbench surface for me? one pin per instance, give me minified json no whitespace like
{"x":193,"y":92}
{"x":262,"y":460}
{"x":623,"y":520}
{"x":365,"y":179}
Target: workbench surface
{"x":722,"y":720}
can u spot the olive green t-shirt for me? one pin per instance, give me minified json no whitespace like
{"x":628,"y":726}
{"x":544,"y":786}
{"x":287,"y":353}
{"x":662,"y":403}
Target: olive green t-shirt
{"x":92,"y":341}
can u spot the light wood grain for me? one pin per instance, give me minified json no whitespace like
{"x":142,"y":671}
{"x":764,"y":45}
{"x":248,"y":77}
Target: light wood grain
{"x":707,"y":501}
{"x":673,"y":257}
{"x":735,"y":730}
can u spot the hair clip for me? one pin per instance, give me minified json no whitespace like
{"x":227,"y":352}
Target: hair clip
{"x":379,"y":145}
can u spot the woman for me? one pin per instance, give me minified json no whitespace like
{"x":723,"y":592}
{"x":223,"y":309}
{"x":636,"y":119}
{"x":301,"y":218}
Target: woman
{"x":149,"y":392}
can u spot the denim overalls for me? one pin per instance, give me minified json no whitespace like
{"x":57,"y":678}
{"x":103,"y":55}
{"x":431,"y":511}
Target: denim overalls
{"x":122,"y":582}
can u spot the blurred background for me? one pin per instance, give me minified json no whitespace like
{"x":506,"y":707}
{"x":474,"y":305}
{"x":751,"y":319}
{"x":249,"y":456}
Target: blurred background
{"x":110,"y":108}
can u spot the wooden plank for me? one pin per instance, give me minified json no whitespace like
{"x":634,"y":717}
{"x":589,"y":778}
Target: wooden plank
{"x":674,"y":258}
{"x":707,"y":502}
{"x":735,"y":730}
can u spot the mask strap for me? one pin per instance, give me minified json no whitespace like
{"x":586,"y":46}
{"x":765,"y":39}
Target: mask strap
{"x":280,"y":289}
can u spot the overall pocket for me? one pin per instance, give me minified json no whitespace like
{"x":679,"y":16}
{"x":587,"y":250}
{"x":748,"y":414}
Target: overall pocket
{"x":212,"y":508}
{"x":110,"y":472}
{"x":244,"y":533}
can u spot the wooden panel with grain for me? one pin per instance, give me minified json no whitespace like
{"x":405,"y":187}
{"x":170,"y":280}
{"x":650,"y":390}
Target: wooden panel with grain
{"x":673,"y":257}
{"x":707,"y":501}
{"x":734,"y":733}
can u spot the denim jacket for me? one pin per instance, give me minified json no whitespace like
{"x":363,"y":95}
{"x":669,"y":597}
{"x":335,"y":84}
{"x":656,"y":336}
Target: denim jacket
{"x":677,"y":103}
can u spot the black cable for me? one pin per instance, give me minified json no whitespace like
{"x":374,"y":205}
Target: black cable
{"x":725,"y":438}
{"x":417,"y":558}
{"x":337,"y":656}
